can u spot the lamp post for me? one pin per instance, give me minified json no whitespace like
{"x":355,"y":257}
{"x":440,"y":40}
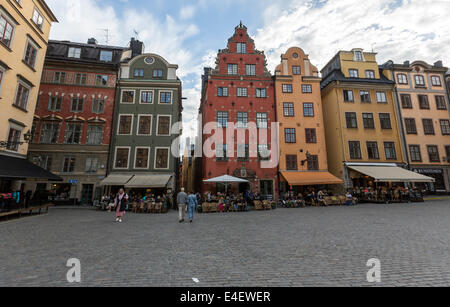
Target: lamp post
{"x":26,"y":137}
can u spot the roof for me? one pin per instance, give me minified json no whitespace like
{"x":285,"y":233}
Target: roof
{"x":337,"y":75}
{"x":18,"y":168}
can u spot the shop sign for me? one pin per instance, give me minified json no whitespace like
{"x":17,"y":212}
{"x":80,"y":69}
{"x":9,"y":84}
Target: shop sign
{"x":428,"y":171}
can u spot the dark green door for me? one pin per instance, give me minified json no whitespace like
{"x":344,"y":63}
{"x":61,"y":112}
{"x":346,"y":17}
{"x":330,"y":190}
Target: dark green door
{"x":87,"y":192}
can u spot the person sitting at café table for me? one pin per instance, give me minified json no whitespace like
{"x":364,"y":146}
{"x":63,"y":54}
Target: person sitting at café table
{"x":321,"y":198}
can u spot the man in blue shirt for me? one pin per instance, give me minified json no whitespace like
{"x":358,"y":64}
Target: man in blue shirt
{"x":192,"y":205}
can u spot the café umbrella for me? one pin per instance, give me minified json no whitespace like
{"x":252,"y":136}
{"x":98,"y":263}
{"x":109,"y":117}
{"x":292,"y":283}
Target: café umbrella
{"x":226,"y":179}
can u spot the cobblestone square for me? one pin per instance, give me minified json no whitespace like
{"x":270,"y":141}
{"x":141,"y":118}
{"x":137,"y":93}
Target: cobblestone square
{"x":284,"y":247}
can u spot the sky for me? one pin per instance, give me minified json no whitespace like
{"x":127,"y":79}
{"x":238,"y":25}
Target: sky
{"x":190,"y":32}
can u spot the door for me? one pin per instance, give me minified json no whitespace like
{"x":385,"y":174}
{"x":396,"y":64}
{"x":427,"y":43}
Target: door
{"x":266,"y":188}
{"x":87,"y":192}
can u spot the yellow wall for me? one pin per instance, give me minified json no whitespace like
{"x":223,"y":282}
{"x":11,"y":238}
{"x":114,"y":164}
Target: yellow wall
{"x":369,"y":63}
{"x":13,"y":57}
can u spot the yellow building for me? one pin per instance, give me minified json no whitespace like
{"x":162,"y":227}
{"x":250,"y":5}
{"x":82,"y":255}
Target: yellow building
{"x":302,"y":148}
{"x":24,"y":32}
{"x":361,"y":122}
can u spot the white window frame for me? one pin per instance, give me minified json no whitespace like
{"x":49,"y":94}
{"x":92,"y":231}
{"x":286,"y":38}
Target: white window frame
{"x":106,"y":51}
{"x":168,"y":158}
{"x":41,"y":25}
{"x":165,"y":91}
{"x":128,"y":90}
{"x":19,"y":82}
{"x":12,"y":23}
{"x":170,"y":125}
{"x":149,"y":91}
{"x":132,"y":123}
{"x":148,"y":158}
{"x":151,"y":124}
{"x":76,"y":55}
{"x":115,"y":156}
{"x":384,"y":94}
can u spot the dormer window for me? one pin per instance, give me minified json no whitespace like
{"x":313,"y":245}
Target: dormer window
{"x":106,"y":56}
{"x":241,"y":48}
{"x":353,"y":73}
{"x":74,"y":52}
{"x":359,"y":56}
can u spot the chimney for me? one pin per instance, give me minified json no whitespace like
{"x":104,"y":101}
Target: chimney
{"x":137,"y":47}
{"x":439,"y":64}
{"x":92,"y":41}
{"x":406,"y":63}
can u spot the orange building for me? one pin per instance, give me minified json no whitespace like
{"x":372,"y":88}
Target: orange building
{"x":302,"y":147}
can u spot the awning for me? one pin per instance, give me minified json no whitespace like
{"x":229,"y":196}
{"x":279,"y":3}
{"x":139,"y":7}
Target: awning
{"x":310,"y":178}
{"x":226,"y":179}
{"x":391,"y":174}
{"x":116,"y":179}
{"x":149,"y":181}
{"x":13,"y":168}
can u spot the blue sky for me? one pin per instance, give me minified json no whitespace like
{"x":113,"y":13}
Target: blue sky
{"x":189,"y":32}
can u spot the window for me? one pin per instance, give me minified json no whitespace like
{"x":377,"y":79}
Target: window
{"x":243,"y":153}
{"x":261,"y":93}
{"x":381,"y":97}
{"x":222,"y":91}
{"x":77,"y":105}
{"x":372,"y":150}
{"x":30,"y":54}
{"x":38,"y":19}
{"x":445,"y":126}
{"x":145,"y":125}
{"x":313,"y":163}
{"x":6,"y":31}
{"x":241,"y":48}
{"x":351,"y":120}
{"x":291,"y":163}
{"x":164,"y":125}
{"x":262,"y":120}
{"x":125,"y":124}
{"x":222,"y":119}
{"x":138,"y":72}
{"x":127,"y":96}
{"x":13,"y":139}
{"x":365,"y":96}
{"x":348,"y":96}
{"x":288,"y":109}
{"x":420,"y":80}
{"x":436,"y":81}
{"x":370,"y":74}
{"x":68,"y":165}
{"x":415,"y":154}
{"x":50,"y":133}
{"x":406,"y":101}
{"x":296,"y":70}
{"x":162,"y":158}
{"x":385,"y":121}
{"x":232,"y":69}
{"x":22,"y":94}
{"x":242,"y":92}
{"x":101,"y":80}
{"x":74,"y":52}
{"x":250,"y":70}
{"x":242,"y":119}
{"x":402,"y":79}
{"x":308,"y":109}
{"x":263,"y":152}
{"x":423,"y":102}
{"x":157,"y":73}
{"x":368,"y":120}
{"x":447,"y":152}
{"x":355,"y":150}
{"x":353,"y":73}
{"x":221,"y":152}
{"x":165,"y":97}
{"x":80,"y":79}
{"x":73,"y":134}
{"x":440,"y":103}
{"x":311,"y":136}
{"x":146,"y":97}
{"x":410,"y":124}
{"x":54,"y":104}
{"x":91,"y":166}
{"x":98,"y":106}
{"x":59,"y":77}
{"x":306,"y":88}
{"x":428,"y":127}
{"x":358,"y":56}
{"x":95,"y":134}
{"x":43,"y":161}
{"x":287,"y":88}
{"x":142,"y":157}
{"x":106,"y":56}
{"x":122,"y":157}
{"x":433,"y":153}
{"x":389,"y":149}
{"x":289,"y":135}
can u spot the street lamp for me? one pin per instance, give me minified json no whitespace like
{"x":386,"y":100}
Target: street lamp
{"x":26,"y":137}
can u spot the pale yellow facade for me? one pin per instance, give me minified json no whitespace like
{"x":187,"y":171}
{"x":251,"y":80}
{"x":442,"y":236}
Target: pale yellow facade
{"x":23,"y":44}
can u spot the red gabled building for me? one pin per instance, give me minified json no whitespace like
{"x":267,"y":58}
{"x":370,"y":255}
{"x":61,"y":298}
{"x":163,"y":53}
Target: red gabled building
{"x":239,"y":91}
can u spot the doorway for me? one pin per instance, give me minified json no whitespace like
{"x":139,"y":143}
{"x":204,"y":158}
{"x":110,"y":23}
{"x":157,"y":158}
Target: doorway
{"x":266,"y":188}
{"x":87,"y":192}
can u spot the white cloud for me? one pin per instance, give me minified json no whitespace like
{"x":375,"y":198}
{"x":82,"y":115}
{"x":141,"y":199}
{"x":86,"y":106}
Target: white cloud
{"x":187,"y":12}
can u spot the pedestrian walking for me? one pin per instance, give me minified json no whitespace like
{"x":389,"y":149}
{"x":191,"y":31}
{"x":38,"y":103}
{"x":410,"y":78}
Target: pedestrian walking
{"x":192,"y":205}
{"x":181,"y":201}
{"x":121,"y":202}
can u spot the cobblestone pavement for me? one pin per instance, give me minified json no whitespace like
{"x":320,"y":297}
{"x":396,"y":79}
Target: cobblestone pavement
{"x":285,"y":247}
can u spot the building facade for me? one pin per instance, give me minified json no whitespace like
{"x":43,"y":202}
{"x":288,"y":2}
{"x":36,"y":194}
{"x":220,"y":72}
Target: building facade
{"x":423,"y":105}
{"x":146,"y":125}
{"x":24,"y":33}
{"x":239,"y":93}
{"x":302,"y":146}
{"x":361,"y":122}
{"x":73,"y":118}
